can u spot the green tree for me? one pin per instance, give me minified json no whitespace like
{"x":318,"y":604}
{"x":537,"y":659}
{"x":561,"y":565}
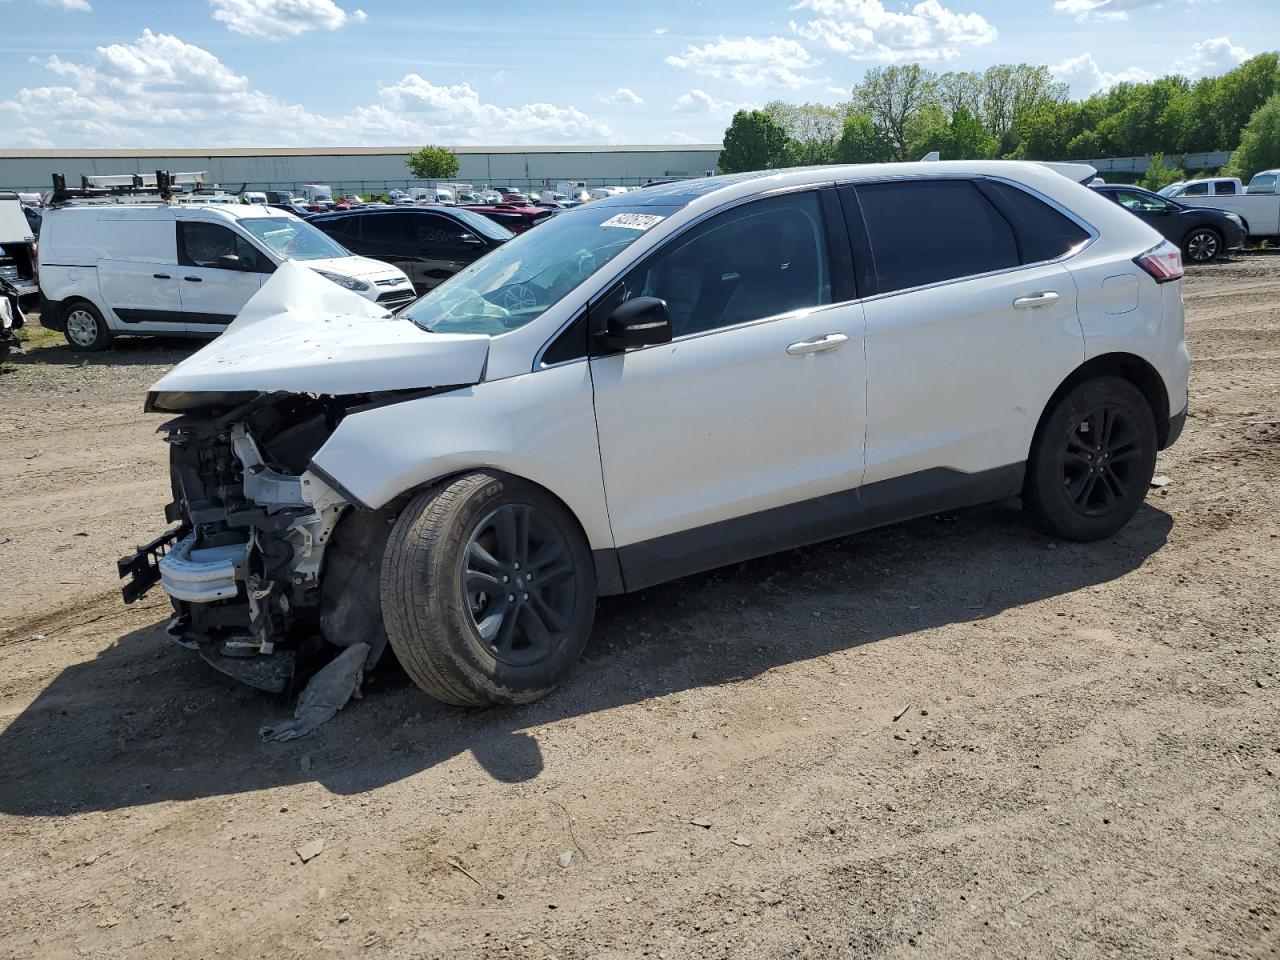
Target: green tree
{"x":1159,"y":176}
{"x":753,"y":141}
{"x":860,"y":141}
{"x":812,"y":130}
{"x":433,"y":163}
{"x":1259,"y":144}
{"x":894,"y":96}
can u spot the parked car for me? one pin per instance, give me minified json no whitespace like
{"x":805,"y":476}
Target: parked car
{"x":1205,"y":187}
{"x":512,"y":195}
{"x":1202,"y":233}
{"x":253,"y":196}
{"x":279,"y":196}
{"x":181,"y":270}
{"x":294,"y":208}
{"x":657,"y":384}
{"x":517,"y":219}
{"x":430,"y":244}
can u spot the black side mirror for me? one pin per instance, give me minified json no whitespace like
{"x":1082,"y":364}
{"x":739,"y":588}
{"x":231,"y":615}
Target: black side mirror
{"x":229,"y":261}
{"x":637,"y":323}
{"x":471,"y":240}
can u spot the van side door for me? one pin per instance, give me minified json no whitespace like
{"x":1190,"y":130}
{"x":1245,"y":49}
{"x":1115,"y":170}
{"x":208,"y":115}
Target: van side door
{"x":219,"y":270}
{"x":137,"y":270}
{"x":973,"y":325}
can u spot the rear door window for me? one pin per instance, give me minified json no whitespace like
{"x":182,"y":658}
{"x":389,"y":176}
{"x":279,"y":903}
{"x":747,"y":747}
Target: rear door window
{"x":930,"y":231}
{"x":1224,"y":188}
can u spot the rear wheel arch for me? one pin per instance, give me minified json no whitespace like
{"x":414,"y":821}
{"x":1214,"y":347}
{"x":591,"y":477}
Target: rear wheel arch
{"x":1127,"y":366}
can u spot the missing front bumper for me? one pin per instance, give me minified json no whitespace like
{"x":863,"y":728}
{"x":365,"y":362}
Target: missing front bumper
{"x":142,"y":567}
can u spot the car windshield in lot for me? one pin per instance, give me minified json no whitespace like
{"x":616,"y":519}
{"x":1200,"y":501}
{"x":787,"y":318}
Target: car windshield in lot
{"x":520,"y":280}
{"x":483,"y":225}
{"x":292,"y":239}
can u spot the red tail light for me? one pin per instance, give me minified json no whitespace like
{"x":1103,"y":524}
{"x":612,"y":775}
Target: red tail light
{"x":1163,"y":262}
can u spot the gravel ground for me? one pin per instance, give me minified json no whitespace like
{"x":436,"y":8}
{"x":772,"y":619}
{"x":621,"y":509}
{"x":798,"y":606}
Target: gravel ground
{"x":1085,"y":760}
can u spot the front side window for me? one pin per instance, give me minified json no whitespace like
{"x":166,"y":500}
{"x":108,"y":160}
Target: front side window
{"x":1196,"y":190}
{"x":522,"y":279}
{"x":292,"y":239}
{"x":1139,"y":202}
{"x":205,"y":244}
{"x":929,"y":231}
{"x":758,"y":260}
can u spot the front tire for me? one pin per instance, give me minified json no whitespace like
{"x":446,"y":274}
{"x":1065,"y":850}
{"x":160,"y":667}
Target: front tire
{"x":488,"y":590}
{"x":1091,"y":461}
{"x":84,"y":327}
{"x":1202,"y":245}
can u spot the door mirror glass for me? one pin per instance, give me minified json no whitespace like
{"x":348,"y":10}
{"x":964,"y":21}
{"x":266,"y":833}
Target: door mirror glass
{"x":229,"y":261}
{"x":637,"y":323}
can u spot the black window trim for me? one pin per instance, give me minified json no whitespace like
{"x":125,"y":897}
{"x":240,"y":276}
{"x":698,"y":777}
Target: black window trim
{"x":1069,"y":214}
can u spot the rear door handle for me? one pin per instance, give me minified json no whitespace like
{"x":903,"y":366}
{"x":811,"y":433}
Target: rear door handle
{"x":1042,"y":299}
{"x":162,"y":276}
{"x":831,"y":341}
{"x":193,"y":279}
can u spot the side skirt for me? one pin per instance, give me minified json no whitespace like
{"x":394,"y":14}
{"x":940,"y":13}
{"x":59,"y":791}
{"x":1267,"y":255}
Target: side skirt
{"x":799,"y":524}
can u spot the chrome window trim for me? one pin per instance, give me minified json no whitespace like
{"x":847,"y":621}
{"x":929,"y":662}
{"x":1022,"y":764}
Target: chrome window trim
{"x":701,"y":218}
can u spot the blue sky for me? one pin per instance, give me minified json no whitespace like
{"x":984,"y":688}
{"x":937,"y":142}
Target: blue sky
{"x":124,"y":73}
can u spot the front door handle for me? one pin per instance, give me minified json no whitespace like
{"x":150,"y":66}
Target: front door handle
{"x":162,"y":276}
{"x":1042,"y":299}
{"x":831,"y":341}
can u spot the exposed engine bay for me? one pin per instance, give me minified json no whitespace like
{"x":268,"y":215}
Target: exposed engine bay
{"x":257,"y":527}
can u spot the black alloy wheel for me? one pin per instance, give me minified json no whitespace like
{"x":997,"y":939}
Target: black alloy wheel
{"x":1100,"y":460}
{"x":519,"y":584}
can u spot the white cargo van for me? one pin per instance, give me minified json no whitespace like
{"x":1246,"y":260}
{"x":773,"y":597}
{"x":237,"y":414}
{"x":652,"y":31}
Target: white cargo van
{"x":181,"y":270}
{"x":431,"y":195}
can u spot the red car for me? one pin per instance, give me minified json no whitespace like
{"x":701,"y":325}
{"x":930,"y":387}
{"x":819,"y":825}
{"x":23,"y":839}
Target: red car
{"x":515,"y":219}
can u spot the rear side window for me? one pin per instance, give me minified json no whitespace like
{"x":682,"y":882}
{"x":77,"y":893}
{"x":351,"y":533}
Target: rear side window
{"x":1224,"y":187}
{"x":389,"y":228}
{"x":1043,"y":233}
{"x":928,"y":231}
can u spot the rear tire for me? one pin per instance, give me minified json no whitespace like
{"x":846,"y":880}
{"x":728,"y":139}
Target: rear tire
{"x":1091,"y":461}
{"x":488,"y":590}
{"x":84,"y":327}
{"x":1202,"y":245}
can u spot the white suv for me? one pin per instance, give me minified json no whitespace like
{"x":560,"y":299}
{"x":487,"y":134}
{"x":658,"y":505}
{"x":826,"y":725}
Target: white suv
{"x":655,"y":384}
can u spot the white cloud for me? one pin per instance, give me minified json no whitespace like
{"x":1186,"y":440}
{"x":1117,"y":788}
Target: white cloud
{"x":621,"y":95}
{"x":275,"y":19}
{"x":865,"y":30}
{"x":160,"y":91}
{"x":677,"y":137}
{"x":774,"y":62}
{"x":1108,"y":10}
{"x":699,"y":101}
{"x":659,"y":31}
{"x":76,"y":6}
{"x":1211,"y":56}
{"x":1208,"y":57}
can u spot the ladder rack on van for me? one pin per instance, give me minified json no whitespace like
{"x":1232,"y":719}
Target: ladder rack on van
{"x":125,"y":188}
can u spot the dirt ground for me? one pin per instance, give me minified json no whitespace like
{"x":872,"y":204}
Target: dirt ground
{"x":1085,"y":760}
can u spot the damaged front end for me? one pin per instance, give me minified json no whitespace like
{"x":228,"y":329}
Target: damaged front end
{"x":256,"y":528}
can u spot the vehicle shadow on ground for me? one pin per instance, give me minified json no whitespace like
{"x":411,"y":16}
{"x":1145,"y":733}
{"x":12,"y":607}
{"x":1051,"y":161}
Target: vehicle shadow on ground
{"x":146,"y":721}
{"x":124,"y":352}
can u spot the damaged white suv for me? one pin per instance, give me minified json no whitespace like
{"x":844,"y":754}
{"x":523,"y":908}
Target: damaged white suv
{"x":652,"y":385}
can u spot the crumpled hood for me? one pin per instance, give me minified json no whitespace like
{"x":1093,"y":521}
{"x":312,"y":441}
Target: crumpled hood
{"x":302,"y":333}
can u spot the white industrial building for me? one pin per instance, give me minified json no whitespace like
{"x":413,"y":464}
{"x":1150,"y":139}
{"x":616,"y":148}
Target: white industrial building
{"x":364,"y":169}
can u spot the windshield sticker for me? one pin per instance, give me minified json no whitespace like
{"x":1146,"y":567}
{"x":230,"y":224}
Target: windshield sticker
{"x":633,"y":221}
